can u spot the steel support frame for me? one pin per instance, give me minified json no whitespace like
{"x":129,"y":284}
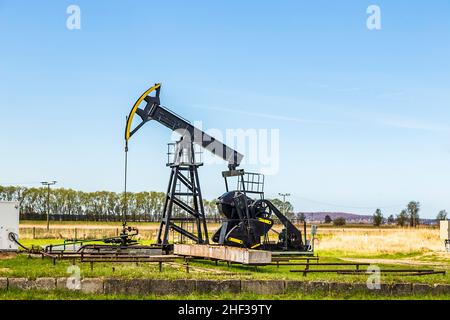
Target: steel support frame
{"x":192,"y":183}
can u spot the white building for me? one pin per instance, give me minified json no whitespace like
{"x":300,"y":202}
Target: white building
{"x":9,"y":224}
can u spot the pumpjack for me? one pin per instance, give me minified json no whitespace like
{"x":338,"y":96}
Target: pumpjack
{"x":246,"y":221}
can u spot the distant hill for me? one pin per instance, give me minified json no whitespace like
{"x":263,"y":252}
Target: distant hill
{"x":349,"y":217}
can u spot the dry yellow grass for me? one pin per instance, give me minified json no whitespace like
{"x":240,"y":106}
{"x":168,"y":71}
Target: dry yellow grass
{"x":365,"y":241}
{"x":380,"y":241}
{"x":147,"y":231}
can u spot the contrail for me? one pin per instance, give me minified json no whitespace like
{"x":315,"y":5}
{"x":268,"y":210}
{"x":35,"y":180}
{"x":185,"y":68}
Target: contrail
{"x":266,"y":115}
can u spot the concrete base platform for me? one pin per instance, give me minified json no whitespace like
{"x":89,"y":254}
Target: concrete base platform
{"x":224,"y":253}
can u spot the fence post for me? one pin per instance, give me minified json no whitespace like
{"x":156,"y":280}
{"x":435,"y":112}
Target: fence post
{"x":34,"y":232}
{"x":76,"y":234}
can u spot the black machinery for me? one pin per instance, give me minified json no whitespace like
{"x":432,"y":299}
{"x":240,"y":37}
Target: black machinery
{"x":246,"y":221}
{"x":122,"y":243}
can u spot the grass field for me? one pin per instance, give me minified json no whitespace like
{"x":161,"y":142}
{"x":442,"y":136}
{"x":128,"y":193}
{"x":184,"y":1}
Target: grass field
{"x":67,"y":295}
{"x":362,"y":245}
{"x":22,"y":266}
{"x":360,"y":239}
{"x":391,"y":248}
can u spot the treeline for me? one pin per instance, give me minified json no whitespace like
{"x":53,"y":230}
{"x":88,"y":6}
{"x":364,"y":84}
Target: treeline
{"x":407,"y":217}
{"x":68,"y":204}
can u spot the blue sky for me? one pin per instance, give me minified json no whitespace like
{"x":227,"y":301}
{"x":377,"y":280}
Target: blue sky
{"x":363,"y":115}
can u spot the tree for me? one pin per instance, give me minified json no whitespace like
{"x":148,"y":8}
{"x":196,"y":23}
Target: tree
{"x":442,"y":215}
{"x":413,"y":212}
{"x":302,"y":216}
{"x":328,"y":219}
{"x":277,"y":203}
{"x":69,"y":204}
{"x":402,"y":218}
{"x":391,"y":219}
{"x":377,"y":218}
{"x":339,"y":221}
{"x":285,"y":207}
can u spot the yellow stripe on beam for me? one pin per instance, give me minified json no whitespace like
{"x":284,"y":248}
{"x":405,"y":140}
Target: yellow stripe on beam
{"x":135,"y":107}
{"x":235,"y":240}
{"x":265,"y":221}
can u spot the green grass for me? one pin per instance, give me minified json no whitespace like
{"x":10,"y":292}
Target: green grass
{"x":24,"y":266}
{"x":71,"y":295}
{"x":33,"y":267}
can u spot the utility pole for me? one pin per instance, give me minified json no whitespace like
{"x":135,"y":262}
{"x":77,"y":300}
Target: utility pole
{"x":48,"y":184}
{"x":284,"y":195}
